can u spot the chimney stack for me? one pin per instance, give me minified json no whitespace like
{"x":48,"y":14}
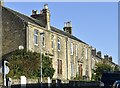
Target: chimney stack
{"x":106,"y":57}
{"x":46,"y":6}
{"x":44,"y":15}
{"x":68,"y":27}
{"x":1,"y":2}
{"x":99,"y":54}
{"x":110,"y":58}
{"x":34,"y":12}
{"x":94,"y":51}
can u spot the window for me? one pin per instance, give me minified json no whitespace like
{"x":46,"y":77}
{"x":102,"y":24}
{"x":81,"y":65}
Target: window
{"x":36,"y":37}
{"x":76,"y":50}
{"x":72,"y":70}
{"x":52,"y":41}
{"x":58,"y":44}
{"x":59,"y":66}
{"x":86,"y":72}
{"x":86,"y":53}
{"x":43,"y":40}
{"x":71,"y":48}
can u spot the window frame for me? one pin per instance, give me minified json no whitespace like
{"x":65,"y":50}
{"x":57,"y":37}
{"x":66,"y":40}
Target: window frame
{"x":52,"y":41}
{"x":86,"y":53}
{"x":36,"y":37}
{"x":76,"y":49}
{"x":43,"y":40}
{"x":59,"y":67}
{"x":71,"y":48}
{"x":59,"y":46}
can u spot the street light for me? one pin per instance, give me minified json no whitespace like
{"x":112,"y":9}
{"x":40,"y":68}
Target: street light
{"x":41,"y":35}
{"x":21,"y":47}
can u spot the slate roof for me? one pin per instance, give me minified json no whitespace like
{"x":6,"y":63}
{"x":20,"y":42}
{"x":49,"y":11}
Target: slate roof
{"x":66,"y":34}
{"x":26,"y":18}
{"x":41,"y":23}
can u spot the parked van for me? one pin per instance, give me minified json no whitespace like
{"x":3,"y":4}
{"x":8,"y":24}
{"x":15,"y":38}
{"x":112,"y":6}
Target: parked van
{"x":108,"y":78}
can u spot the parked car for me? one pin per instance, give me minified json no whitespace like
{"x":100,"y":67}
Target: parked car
{"x":116,"y":84}
{"x":108,"y":78}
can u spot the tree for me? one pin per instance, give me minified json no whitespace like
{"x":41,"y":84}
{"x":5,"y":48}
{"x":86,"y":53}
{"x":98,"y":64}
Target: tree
{"x":116,"y":68}
{"x":100,"y":68}
{"x":27,"y":63}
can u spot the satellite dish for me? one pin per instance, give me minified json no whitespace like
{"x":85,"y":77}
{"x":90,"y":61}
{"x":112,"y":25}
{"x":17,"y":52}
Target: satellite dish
{"x":7,"y":70}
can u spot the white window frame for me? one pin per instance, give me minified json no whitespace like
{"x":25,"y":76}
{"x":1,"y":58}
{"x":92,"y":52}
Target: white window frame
{"x":43,"y":40}
{"x":36,"y":37}
{"x":59,"y":44}
{"x":52,"y":41}
{"x":71,"y":48}
{"x":76,"y":50}
{"x":86,"y":53}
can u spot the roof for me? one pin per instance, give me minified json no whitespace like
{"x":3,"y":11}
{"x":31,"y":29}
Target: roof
{"x":26,"y":18}
{"x":66,"y":34}
{"x":41,"y":23}
{"x":99,"y":57}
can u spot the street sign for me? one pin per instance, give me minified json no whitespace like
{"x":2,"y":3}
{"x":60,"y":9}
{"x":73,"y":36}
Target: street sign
{"x":0,"y":70}
{"x":7,"y":70}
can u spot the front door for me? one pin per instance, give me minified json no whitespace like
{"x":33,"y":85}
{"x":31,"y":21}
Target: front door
{"x":80,"y":71}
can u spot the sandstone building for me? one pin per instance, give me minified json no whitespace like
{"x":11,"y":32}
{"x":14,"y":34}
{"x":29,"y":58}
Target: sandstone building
{"x":71,"y":56}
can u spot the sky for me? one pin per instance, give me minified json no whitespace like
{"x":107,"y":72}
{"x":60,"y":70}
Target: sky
{"x":95,"y":23}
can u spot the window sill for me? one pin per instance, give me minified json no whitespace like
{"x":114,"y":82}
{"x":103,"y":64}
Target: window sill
{"x":35,"y":44}
{"x":58,"y":50}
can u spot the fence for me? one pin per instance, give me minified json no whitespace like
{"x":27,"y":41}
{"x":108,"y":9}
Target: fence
{"x":71,"y":84}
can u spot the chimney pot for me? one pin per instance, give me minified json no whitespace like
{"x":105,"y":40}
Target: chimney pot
{"x":94,"y":51}
{"x":34,"y":12}
{"x":110,"y":58}
{"x":45,"y":6}
{"x":106,"y":57}
{"x":68,"y":27}
{"x":99,"y":53}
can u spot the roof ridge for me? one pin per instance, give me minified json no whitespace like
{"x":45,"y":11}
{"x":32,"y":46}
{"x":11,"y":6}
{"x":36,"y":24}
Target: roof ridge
{"x":20,"y":15}
{"x":67,"y":34}
{"x":41,"y":23}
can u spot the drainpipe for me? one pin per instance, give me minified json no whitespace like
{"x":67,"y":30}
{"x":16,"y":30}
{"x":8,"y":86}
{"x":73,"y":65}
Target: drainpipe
{"x":67,"y":57}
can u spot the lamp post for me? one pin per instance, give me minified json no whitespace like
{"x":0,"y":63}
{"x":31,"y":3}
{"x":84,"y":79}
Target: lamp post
{"x":41,"y":36}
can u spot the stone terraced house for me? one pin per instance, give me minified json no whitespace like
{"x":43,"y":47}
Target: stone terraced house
{"x":71,"y":56}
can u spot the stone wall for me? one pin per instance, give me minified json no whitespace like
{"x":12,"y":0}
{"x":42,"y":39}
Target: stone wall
{"x":16,"y":32}
{"x":13,"y":32}
{"x":64,"y":53}
{"x":29,"y":81}
{"x":1,"y":79}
